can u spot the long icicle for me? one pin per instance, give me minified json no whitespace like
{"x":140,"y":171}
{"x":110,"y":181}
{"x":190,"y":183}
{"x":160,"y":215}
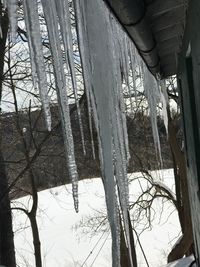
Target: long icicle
{"x":55,"y":44}
{"x":37,"y":58}
{"x":84,"y":63}
{"x":96,"y":45}
{"x":91,"y":48}
{"x":165,"y":103}
{"x":65,"y":27}
{"x":120,"y":136}
{"x":153,"y":96}
{"x":12,"y":13}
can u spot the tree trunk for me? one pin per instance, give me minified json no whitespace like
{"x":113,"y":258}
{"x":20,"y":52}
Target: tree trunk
{"x":186,"y":242}
{"x":36,"y":240}
{"x":33,"y":220}
{"x":7,"y":251}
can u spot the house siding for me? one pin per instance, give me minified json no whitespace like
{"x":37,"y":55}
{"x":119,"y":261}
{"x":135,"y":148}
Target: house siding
{"x":189,"y":87}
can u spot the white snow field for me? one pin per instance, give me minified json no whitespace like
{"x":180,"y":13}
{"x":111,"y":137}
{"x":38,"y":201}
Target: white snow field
{"x":64,"y":246}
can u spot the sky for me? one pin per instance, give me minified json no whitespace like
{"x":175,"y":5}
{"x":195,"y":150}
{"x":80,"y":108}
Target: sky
{"x":65,"y":245}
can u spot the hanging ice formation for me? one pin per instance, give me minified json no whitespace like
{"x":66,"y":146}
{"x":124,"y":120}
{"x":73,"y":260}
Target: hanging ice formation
{"x":165,"y":102}
{"x":108,"y":57}
{"x":50,"y":14}
{"x":1,"y":33}
{"x":153,"y":95}
{"x":63,"y":13}
{"x":37,"y":58}
{"x":38,"y":69}
{"x":100,"y":46}
{"x":156,"y":93}
{"x":12,"y":12}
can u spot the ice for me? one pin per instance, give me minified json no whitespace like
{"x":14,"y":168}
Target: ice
{"x":125,"y":64}
{"x":12,"y":13}
{"x":121,"y":152}
{"x":121,"y":115}
{"x":98,"y":78}
{"x":153,"y":94}
{"x":62,"y":8}
{"x":55,"y":45}
{"x":1,"y":33}
{"x":132,"y":52}
{"x":86,"y":75}
{"x":165,"y":103}
{"x":37,"y":58}
{"x":107,"y":57}
{"x":99,"y":50}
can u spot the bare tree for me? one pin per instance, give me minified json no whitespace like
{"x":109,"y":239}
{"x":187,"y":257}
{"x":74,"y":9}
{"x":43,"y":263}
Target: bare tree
{"x":185,"y":244}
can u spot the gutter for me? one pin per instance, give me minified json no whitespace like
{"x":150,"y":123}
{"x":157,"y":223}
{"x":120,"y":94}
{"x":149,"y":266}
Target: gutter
{"x":131,"y":15}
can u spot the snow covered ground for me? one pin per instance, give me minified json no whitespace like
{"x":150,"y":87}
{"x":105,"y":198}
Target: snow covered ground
{"x":63,"y":245}
{"x":183,"y":263}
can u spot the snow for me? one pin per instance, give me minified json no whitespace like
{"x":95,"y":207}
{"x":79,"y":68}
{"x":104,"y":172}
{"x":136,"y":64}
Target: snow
{"x":161,"y":184}
{"x":178,"y":241}
{"x":62,"y":245}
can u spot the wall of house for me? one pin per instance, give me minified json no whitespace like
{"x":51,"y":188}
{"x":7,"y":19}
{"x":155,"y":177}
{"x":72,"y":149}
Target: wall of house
{"x":189,"y":86}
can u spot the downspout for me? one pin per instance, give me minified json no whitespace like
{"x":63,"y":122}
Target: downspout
{"x":131,"y":14}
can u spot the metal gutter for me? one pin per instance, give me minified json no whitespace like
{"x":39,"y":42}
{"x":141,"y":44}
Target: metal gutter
{"x":131,"y":14}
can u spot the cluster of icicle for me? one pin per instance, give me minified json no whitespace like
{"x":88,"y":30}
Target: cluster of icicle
{"x":108,"y":57}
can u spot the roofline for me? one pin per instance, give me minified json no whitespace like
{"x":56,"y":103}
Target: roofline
{"x":131,"y":15}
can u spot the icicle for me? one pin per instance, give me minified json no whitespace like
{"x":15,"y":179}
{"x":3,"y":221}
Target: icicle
{"x":117,"y":48}
{"x":90,"y":123}
{"x":126,"y":67}
{"x":4,"y":3}
{"x":91,"y":131}
{"x":37,"y":58}
{"x":165,"y":103}
{"x":120,"y":139}
{"x":93,"y":73}
{"x":12,"y":12}
{"x":132,"y":52}
{"x":55,"y":45}
{"x":1,"y":33}
{"x":65,"y":26}
{"x":85,"y":63}
{"x":153,"y":97}
{"x":96,"y":46}
{"x":98,"y":78}
{"x":103,"y":48}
